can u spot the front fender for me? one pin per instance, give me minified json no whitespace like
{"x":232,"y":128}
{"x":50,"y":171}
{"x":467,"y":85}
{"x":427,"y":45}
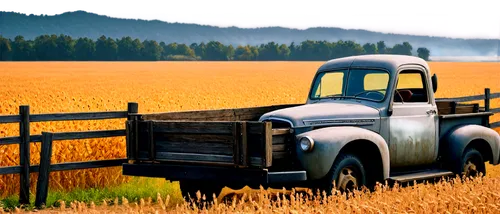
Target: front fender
{"x":457,"y":139}
{"x":329,"y":141}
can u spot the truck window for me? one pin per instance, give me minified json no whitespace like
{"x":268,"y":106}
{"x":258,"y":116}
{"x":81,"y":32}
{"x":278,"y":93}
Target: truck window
{"x":411,"y":87}
{"x":330,"y":83}
{"x":368,"y":84}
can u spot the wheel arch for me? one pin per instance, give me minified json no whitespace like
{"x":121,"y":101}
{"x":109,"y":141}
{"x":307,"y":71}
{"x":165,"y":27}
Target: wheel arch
{"x":331,"y":141}
{"x":457,"y":140}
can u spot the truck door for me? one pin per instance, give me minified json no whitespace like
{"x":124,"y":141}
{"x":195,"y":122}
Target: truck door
{"x":413,"y":123}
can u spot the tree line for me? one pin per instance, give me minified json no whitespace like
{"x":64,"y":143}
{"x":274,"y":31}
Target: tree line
{"x":65,"y":48}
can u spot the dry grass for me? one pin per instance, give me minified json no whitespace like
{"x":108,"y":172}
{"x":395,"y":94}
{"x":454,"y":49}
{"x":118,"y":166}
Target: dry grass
{"x":165,"y":86}
{"x":452,"y":196}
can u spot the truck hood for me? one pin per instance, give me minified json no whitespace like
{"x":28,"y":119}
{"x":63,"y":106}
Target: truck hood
{"x":325,"y":114}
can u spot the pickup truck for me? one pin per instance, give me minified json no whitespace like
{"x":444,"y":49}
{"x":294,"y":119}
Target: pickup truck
{"x":367,"y":119}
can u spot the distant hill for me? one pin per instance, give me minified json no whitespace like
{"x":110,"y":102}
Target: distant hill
{"x":84,"y":24}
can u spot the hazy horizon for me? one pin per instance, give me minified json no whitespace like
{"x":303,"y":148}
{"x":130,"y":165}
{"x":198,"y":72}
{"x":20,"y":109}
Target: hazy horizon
{"x":452,"y":19}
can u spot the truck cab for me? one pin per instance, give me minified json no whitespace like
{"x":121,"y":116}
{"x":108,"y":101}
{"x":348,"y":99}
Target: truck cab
{"x":374,"y":117}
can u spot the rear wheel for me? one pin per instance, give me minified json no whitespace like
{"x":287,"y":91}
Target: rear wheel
{"x":189,"y":190}
{"x":347,"y":173}
{"x":471,"y":164}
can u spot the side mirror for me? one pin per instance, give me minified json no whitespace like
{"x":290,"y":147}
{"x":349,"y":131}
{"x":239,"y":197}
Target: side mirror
{"x":434,"y":83}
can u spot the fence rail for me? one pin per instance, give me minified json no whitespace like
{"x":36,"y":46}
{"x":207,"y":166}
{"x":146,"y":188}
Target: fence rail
{"x":46,"y":138}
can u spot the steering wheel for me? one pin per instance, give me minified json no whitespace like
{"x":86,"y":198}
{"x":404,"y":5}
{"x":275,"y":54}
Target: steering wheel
{"x":372,"y":94}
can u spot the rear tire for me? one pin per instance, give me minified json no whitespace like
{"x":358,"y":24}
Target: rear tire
{"x":347,"y":172}
{"x":471,"y":164}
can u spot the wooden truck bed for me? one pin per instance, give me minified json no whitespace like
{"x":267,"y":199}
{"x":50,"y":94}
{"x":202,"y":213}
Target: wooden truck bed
{"x":227,"y":137}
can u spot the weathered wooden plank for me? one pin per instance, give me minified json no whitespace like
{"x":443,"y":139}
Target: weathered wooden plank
{"x":88,"y":134}
{"x":194,"y":147}
{"x":495,"y":110}
{"x":280,"y":155}
{"x":36,"y":138}
{"x":78,"y":116}
{"x":206,"y":138}
{"x":132,"y":108}
{"x":495,"y":124}
{"x":463,"y":99}
{"x":193,"y":157}
{"x":495,"y":95}
{"x":194,"y":127}
{"x":10,"y":170}
{"x":268,"y":147}
{"x":10,"y":119}
{"x":151,"y":141}
{"x":9,"y":140}
{"x":279,"y":148}
{"x":281,"y":131}
{"x":236,"y":145}
{"x":256,"y":161}
{"x":487,"y":97}
{"x":244,"y":144}
{"x":238,"y":114}
{"x":280,"y":139}
{"x":43,"y":176}
{"x":24,"y":155}
{"x":87,"y":164}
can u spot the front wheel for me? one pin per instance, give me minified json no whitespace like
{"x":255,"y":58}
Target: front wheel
{"x":471,"y":164}
{"x":347,"y":173}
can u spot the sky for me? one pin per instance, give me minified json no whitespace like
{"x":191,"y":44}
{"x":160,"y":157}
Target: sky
{"x":456,"y":19}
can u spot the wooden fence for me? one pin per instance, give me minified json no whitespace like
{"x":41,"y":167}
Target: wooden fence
{"x":46,"y":138}
{"x":25,"y":138}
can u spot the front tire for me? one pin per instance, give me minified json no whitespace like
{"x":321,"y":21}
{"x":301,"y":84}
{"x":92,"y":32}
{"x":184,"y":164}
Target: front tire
{"x":471,"y":164}
{"x":347,"y":173}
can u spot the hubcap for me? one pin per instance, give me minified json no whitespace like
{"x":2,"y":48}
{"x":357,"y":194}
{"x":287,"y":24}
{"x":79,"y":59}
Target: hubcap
{"x":470,"y":169}
{"x":347,"y":179}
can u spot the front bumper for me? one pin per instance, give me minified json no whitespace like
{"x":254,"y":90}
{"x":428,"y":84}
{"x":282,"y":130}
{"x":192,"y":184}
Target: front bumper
{"x":219,"y":174}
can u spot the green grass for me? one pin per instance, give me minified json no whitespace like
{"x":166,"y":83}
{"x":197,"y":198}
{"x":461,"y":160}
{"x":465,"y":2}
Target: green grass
{"x":133,"y":191}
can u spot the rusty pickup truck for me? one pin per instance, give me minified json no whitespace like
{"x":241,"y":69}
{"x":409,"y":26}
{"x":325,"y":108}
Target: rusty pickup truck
{"x":367,"y":119}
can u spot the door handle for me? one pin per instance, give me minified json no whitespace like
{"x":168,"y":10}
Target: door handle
{"x":431,"y":112}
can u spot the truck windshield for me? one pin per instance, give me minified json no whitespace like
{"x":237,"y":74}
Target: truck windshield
{"x":367,"y":84}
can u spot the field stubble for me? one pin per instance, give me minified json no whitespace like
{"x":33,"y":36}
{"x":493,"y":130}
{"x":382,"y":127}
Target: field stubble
{"x":161,"y":87}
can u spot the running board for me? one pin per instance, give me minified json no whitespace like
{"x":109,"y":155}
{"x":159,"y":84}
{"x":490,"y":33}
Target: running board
{"x":435,"y":173}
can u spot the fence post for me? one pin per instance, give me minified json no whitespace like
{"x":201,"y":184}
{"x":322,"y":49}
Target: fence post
{"x":487,"y":99}
{"x":132,"y":108}
{"x":42,"y":185}
{"x":24,"y":154}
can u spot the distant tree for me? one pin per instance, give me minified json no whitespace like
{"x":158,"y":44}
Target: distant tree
{"x":5,"y":49}
{"x":284,"y":52}
{"x":22,"y":50}
{"x":244,"y":53}
{"x":230,"y":52}
{"x":215,"y":51}
{"x":106,"y":49}
{"x":402,"y":49}
{"x":65,"y":47}
{"x":199,"y":50}
{"x":370,"y":48}
{"x":46,"y":48}
{"x":423,"y":53}
{"x":85,"y":49}
{"x":381,"y":47}
{"x":151,"y":51}
{"x":129,"y":49}
{"x":184,"y":50}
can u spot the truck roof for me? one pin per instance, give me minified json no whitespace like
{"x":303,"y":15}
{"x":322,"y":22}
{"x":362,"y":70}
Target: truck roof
{"x":386,"y":61}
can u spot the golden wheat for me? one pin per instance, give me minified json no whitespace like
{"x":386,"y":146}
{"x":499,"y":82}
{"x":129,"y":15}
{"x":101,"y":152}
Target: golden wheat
{"x":159,"y":87}
{"x":452,"y":196}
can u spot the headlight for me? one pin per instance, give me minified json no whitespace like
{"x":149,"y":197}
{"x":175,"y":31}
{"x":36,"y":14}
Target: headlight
{"x":306,"y":144}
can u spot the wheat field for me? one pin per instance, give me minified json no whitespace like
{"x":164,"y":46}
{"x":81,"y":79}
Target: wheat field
{"x":161,"y":87}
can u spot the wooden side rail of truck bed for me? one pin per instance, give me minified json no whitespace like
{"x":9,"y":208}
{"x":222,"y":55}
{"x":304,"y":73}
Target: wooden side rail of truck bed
{"x":227,"y":137}
{"x":242,"y":143}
